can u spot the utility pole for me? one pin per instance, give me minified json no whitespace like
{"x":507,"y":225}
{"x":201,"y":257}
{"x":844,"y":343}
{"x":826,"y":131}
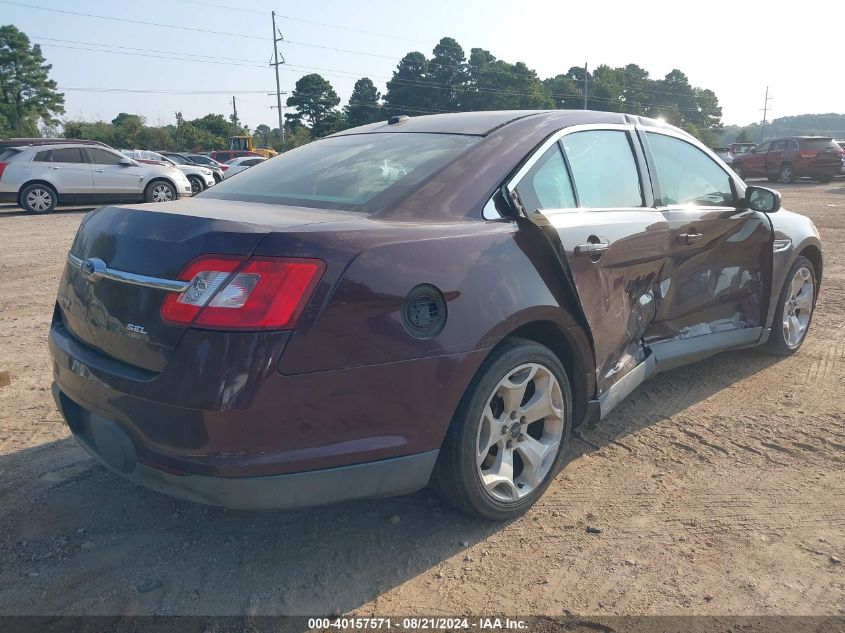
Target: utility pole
{"x":765,"y":112}
{"x":277,"y":37}
{"x":585,"y":86}
{"x":234,"y":113}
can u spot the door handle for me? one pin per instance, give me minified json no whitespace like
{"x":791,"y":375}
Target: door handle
{"x":591,"y":249}
{"x":99,"y":171}
{"x":53,"y":167}
{"x":689,"y":238}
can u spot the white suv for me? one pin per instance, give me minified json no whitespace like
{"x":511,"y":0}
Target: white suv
{"x":39,"y":177}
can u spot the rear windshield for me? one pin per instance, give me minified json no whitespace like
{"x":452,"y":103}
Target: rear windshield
{"x":820,"y":143}
{"x":9,"y":152}
{"x":363,"y":172}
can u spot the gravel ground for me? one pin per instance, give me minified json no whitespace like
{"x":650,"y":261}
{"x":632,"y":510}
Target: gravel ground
{"x":715,"y":489}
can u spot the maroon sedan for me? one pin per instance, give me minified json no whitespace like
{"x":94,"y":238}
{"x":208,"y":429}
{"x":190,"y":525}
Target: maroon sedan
{"x":435,"y":299}
{"x":786,"y":159}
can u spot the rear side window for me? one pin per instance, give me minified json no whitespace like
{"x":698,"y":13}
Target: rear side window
{"x":251,"y":162}
{"x":6,"y":154}
{"x":791,"y":144}
{"x":603,"y":169}
{"x":64,"y":155}
{"x":102,"y":157}
{"x":67,"y":155}
{"x":356,"y":172}
{"x":547,"y":184}
{"x":687,"y":175}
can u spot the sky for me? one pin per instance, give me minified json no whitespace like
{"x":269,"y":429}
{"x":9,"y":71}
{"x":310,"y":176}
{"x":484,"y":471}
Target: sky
{"x":736,"y":48}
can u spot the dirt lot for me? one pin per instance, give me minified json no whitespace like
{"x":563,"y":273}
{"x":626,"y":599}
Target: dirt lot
{"x":718,"y":489}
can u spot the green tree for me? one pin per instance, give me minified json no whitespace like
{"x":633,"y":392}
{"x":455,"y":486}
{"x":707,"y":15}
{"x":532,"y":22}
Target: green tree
{"x":447,"y":74}
{"x":363,"y":106}
{"x":27,"y":94}
{"x":315,"y":100}
{"x":261,"y":136}
{"x":409,"y":91}
{"x":127,"y":130}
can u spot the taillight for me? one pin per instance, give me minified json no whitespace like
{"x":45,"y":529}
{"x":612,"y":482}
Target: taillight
{"x":2,"y":167}
{"x":231,"y":293}
{"x":807,"y":154}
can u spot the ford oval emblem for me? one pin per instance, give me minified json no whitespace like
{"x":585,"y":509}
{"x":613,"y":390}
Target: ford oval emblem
{"x":93,"y":269}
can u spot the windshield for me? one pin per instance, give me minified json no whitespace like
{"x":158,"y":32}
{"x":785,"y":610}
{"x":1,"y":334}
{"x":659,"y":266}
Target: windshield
{"x":176,"y":159}
{"x":360,"y":172}
{"x":820,"y":143}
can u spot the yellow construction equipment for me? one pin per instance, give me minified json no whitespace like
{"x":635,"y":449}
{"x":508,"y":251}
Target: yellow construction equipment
{"x":245,"y":144}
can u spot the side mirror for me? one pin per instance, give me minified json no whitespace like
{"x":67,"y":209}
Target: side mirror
{"x":762,"y":199}
{"x":127,"y":162}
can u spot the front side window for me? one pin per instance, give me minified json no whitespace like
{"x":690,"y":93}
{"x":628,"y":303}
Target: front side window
{"x":102,"y":157}
{"x":355,"y":172}
{"x":764,"y":147}
{"x":778,"y":146}
{"x":687,"y":175}
{"x":603,"y":168}
{"x":547,"y":184}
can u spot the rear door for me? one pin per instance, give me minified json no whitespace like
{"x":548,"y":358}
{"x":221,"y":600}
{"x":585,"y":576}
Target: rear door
{"x":586,"y":182}
{"x":718,"y":273}
{"x":68,"y":169}
{"x":113,"y":180}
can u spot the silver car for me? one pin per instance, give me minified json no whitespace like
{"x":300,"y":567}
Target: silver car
{"x":39,"y":177}
{"x":201,"y":178}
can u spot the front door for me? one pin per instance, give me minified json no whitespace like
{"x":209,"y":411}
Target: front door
{"x":586,"y":183}
{"x":775,"y":158}
{"x":755,"y":164}
{"x":718,"y":273}
{"x":112,"y":179}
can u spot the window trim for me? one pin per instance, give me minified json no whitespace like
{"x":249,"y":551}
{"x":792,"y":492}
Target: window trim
{"x":643,"y":172}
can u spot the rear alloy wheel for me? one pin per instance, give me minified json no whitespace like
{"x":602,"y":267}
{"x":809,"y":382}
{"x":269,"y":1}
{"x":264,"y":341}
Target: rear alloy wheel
{"x":786,"y":175}
{"x":196,"y":185}
{"x":159,"y":191}
{"x":39,"y":199}
{"x":507,"y":440}
{"x":795,"y":309}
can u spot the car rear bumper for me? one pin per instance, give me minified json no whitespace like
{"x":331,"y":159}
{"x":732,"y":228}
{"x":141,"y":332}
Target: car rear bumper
{"x":219,"y":413}
{"x":107,"y":442}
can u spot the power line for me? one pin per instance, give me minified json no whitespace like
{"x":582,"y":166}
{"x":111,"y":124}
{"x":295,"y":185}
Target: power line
{"x":133,"y":51}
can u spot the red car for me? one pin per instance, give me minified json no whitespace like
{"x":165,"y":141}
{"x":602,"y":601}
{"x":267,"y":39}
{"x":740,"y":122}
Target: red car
{"x":785,"y":159}
{"x":430,"y":299}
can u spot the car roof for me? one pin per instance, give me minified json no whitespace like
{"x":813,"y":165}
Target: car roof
{"x":487,"y":122}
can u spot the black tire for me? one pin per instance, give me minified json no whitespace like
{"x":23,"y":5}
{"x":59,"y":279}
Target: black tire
{"x":197,"y":185}
{"x":786,"y":174}
{"x":738,"y":170}
{"x":772,"y":178}
{"x":457,"y":477}
{"x":777,"y":343}
{"x":152,"y":190}
{"x":825,"y":179}
{"x":38,"y":199}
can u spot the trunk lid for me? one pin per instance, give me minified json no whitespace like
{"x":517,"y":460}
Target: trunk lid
{"x":123,"y":320}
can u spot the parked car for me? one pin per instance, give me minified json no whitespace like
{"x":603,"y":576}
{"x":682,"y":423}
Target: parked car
{"x":237,"y":165}
{"x":741,"y":148}
{"x":321,"y":328}
{"x":182,"y":159}
{"x":200,"y":177}
{"x":38,"y":177}
{"x":225,"y":156}
{"x":842,"y":146}
{"x":786,"y":159}
{"x":208,"y":161}
{"x":724,"y":153}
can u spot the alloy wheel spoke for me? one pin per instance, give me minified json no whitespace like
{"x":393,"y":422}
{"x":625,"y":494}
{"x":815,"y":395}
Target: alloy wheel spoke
{"x":500,"y":475}
{"x":533,"y":453}
{"x":513,"y":392}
